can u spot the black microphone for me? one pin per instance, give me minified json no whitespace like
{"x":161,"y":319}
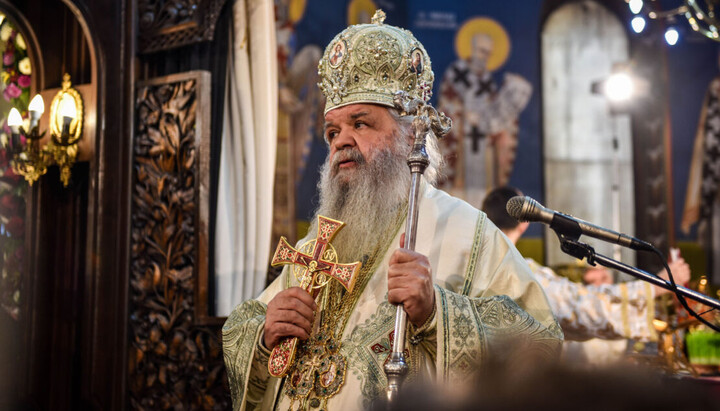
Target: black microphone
{"x":527,"y":209}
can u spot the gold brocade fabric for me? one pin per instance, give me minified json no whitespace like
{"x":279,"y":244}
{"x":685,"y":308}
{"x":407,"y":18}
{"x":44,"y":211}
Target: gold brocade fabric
{"x":485,"y":296}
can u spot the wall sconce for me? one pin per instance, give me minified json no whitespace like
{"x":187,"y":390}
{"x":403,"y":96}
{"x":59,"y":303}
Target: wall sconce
{"x":66,"y":122}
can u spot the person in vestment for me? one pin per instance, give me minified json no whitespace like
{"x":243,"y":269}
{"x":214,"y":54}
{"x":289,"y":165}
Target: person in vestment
{"x":702,"y":199}
{"x":606,"y":311}
{"x":466,"y":290}
{"x":481,"y":147}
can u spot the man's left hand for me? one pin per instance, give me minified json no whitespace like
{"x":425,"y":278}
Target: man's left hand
{"x":410,"y":284}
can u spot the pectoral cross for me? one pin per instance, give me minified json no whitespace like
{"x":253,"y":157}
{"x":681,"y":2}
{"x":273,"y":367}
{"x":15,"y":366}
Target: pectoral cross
{"x":319,"y":266}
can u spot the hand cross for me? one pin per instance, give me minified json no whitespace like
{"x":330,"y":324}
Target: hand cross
{"x":320,"y":265}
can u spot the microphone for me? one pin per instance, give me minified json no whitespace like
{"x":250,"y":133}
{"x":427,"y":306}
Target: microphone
{"x":527,"y":209}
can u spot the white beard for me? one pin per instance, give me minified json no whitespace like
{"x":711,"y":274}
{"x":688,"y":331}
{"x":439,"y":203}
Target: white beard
{"x":367,"y":198}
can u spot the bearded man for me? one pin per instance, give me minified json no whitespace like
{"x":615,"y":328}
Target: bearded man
{"x":466,"y":290}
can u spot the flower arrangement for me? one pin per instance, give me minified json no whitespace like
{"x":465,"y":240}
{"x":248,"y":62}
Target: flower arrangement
{"x":16,"y":78}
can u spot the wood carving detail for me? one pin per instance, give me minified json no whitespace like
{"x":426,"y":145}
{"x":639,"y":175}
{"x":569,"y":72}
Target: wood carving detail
{"x":166,"y":24}
{"x":173,"y":363}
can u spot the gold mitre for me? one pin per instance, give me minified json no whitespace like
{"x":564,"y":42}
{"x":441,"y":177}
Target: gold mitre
{"x":368,"y":63}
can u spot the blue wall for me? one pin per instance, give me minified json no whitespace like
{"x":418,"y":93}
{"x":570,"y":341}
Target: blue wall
{"x":692,"y":63}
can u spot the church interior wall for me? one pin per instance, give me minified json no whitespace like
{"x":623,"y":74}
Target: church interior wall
{"x":71,"y":343}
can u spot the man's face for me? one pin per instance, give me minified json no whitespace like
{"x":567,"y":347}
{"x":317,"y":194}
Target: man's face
{"x":598,"y":276}
{"x":354,"y":133}
{"x":482,"y":47}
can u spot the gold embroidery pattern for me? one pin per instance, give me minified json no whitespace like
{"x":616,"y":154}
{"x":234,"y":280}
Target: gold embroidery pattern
{"x":473,"y":328}
{"x":505,"y":323}
{"x":368,"y":348}
{"x":624,"y":309}
{"x":238,"y":348}
{"x":320,"y":370}
{"x":475,"y":251}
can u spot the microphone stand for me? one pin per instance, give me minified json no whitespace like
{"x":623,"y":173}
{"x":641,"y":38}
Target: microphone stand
{"x":573,"y":247}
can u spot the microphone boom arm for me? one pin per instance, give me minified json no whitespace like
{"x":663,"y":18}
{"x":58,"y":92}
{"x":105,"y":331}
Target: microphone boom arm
{"x":581,"y":250}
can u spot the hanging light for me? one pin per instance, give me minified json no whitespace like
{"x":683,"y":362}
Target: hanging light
{"x":638,"y":24}
{"x":635,"y":6}
{"x":671,"y":35}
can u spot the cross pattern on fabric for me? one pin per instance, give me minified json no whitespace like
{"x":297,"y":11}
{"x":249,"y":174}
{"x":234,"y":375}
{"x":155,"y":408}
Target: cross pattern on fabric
{"x":318,"y":267}
{"x":461,"y":75}
{"x":476,"y":136}
{"x":485,"y":86}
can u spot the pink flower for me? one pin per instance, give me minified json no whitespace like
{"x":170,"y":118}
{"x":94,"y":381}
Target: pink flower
{"x":24,"y":81}
{"x":8,"y":59}
{"x":11,"y":91}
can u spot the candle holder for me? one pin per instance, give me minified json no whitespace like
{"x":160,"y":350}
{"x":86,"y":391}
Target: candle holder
{"x":31,"y":160}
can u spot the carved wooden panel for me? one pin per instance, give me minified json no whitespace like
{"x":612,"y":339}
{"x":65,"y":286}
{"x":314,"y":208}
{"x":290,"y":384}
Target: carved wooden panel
{"x":166,"y":24}
{"x":175,"y":361}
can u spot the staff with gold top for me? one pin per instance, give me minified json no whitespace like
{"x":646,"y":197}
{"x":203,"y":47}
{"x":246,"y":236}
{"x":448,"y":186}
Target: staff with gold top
{"x":319,"y":336}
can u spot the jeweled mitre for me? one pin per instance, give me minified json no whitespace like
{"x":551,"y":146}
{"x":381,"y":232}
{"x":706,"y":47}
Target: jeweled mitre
{"x":368,"y":63}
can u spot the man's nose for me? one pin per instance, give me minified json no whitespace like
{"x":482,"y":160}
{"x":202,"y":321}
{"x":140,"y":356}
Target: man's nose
{"x":344,"y":139}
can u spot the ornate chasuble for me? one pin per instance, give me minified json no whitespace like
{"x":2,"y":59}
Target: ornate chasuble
{"x":484,"y":295}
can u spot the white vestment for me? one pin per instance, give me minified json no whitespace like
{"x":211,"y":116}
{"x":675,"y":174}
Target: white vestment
{"x":486,"y":298}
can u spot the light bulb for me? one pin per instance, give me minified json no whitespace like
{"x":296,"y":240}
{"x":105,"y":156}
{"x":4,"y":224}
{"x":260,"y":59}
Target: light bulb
{"x":635,"y":6}
{"x":671,"y":36}
{"x":638,"y":24}
{"x":619,"y":87}
{"x":67,"y":107}
{"x":14,"y":120}
{"x":37,"y":104}
{"x":36,"y":108}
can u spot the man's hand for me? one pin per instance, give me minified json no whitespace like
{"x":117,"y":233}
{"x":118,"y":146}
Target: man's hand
{"x":289,"y":314}
{"x":410,"y":284}
{"x":680,"y":271}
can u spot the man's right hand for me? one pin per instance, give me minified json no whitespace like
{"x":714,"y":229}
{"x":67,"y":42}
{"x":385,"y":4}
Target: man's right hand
{"x":681,"y":274}
{"x":289,"y":314}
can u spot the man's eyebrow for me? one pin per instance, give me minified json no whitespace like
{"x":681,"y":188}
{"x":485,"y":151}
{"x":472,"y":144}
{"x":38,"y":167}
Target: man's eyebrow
{"x":352,"y":116}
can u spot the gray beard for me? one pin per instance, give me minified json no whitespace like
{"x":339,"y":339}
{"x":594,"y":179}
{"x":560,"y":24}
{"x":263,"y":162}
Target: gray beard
{"x":367,"y":198}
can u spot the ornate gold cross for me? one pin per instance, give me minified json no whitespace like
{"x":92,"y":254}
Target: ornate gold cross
{"x":318,"y":266}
